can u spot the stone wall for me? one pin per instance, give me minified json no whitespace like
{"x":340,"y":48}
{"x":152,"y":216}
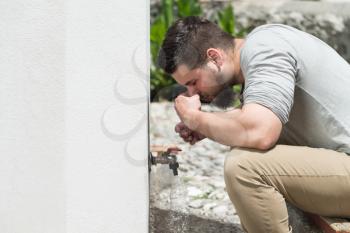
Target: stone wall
{"x":329,"y":21}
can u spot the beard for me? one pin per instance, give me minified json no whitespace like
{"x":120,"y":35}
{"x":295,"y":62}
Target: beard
{"x":217,"y":89}
{"x":223,"y":99}
{"x":205,"y":98}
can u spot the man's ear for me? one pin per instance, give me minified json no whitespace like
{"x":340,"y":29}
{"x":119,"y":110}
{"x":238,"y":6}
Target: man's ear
{"x":215,"y":56}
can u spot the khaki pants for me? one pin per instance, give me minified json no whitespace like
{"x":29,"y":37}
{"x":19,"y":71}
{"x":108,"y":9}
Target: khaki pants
{"x":315,"y":180}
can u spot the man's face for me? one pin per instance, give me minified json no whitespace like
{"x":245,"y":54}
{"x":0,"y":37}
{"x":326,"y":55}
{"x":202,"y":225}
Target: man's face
{"x":205,"y":81}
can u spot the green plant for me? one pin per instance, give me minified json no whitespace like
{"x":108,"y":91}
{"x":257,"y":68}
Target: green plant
{"x":226,"y":21}
{"x":188,"y":7}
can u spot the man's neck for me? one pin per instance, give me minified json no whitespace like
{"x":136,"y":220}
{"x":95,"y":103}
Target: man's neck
{"x":238,"y":77}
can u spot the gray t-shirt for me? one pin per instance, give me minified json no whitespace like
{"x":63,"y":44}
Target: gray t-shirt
{"x":303,"y":81}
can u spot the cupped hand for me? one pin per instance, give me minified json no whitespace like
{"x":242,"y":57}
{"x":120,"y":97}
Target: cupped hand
{"x":185,"y":106}
{"x":187,"y":134}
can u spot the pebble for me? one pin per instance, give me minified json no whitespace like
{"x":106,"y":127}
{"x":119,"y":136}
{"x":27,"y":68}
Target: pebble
{"x":196,"y":204}
{"x":194,"y":191}
{"x":220,"y":210}
{"x":218,"y":195}
{"x":217,"y":183}
{"x":209,"y":206}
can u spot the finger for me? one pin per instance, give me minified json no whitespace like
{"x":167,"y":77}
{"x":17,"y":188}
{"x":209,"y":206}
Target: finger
{"x":196,"y":96}
{"x":194,"y":142}
{"x":184,"y":133}
{"x":179,"y":127}
{"x":195,"y":136}
{"x":189,"y":138}
{"x":199,"y":136}
{"x":185,"y":138}
{"x":186,"y":129}
{"x":194,"y":139}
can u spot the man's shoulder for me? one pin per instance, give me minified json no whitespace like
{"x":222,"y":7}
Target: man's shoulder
{"x":271,"y":28}
{"x":269,"y":38}
{"x":274,"y":34}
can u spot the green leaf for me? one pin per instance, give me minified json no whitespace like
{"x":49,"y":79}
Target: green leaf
{"x":226,"y":20}
{"x":188,"y":8}
{"x":242,"y":33}
{"x":158,"y":30}
{"x":168,"y":9}
{"x":237,"y":88}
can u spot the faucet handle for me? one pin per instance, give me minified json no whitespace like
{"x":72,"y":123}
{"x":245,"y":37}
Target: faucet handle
{"x":164,"y":155}
{"x":174,"y":166}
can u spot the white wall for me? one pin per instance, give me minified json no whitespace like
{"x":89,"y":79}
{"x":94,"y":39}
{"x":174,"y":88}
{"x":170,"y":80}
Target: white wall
{"x":32,"y":89}
{"x":63,"y":167}
{"x":106,"y":192}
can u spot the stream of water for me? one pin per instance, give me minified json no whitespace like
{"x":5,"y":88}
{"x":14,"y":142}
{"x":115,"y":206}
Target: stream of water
{"x":179,"y":216}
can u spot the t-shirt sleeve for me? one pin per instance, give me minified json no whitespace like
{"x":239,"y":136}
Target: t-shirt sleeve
{"x":270,"y":75}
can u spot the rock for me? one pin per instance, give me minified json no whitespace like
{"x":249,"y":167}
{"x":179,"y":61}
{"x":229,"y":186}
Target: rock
{"x":217,"y":183}
{"x":196,"y":204}
{"x":209,"y":206}
{"x":220,"y":210}
{"x":217,"y":195}
{"x":194,"y":192}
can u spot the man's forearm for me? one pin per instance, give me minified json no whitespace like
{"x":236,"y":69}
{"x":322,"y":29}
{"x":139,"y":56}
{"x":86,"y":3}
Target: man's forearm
{"x":252,"y":126}
{"x":225,"y":127}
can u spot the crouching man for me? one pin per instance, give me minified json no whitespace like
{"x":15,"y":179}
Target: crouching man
{"x":291,"y":135}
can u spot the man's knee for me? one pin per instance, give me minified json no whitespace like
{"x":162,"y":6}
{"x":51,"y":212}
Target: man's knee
{"x":239,"y":173}
{"x":238,"y":164}
{"x":238,"y":159}
{"x":231,"y":163}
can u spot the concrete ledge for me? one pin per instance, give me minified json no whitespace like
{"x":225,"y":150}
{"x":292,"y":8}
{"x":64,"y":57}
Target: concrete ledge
{"x":330,"y":225}
{"x":172,"y":221}
{"x":176,"y":222}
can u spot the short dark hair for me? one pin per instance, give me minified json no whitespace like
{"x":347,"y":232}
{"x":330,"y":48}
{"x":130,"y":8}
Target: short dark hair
{"x":187,"y":40}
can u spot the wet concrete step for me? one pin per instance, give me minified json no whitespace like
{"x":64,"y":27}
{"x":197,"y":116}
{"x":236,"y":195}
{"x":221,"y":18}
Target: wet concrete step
{"x":170,"y":221}
{"x":331,"y":225}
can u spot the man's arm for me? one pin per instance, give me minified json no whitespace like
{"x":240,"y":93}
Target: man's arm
{"x":252,"y":126}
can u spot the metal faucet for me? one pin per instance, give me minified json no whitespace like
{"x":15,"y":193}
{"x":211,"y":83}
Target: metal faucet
{"x":167,"y":156}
